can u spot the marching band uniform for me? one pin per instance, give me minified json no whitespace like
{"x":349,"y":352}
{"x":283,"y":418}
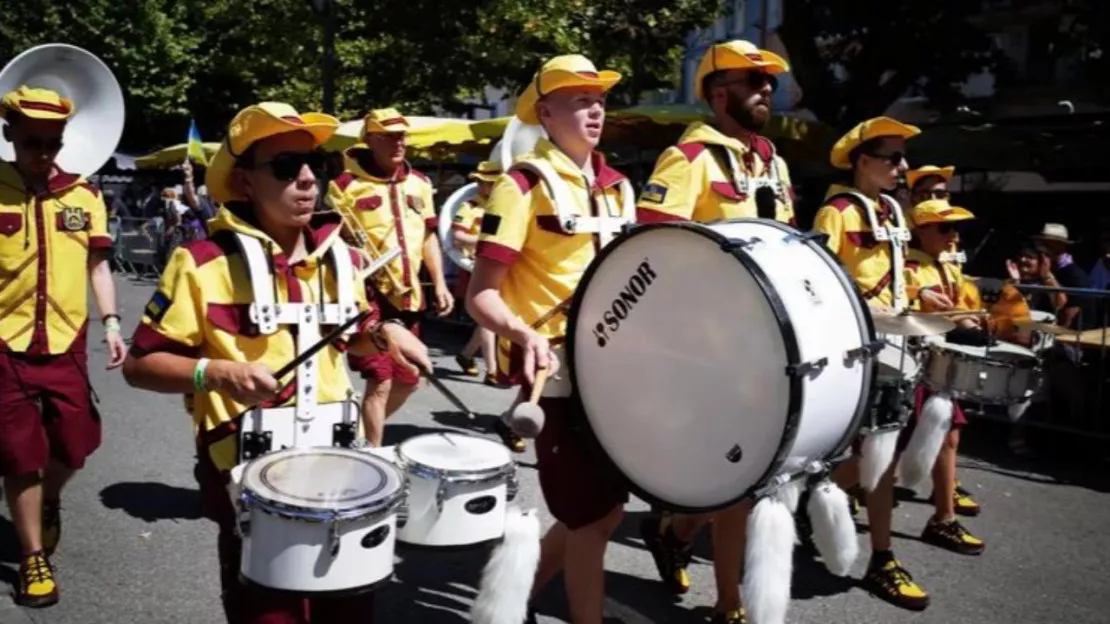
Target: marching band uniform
{"x":396,"y":210}
{"x":941,"y":274}
{"x":710,"y":176}
{"x":202,"y":309}
{"x":468,"y":222}
{"x":530,"y":227}
{"x":856,"y":225}
{"x":47,"y":238}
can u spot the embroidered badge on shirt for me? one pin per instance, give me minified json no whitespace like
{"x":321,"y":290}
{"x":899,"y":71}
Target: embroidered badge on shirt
{"x":654,"y":193}
{"x":490,"y":224}
{"x":157,"y":307}
{"x":73,"y":219}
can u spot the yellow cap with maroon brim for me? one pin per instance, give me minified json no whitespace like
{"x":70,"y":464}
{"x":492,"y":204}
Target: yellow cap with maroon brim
{"x":865,"y":131}
{"x":737,"y":54}
{"x":384,"y":121}
{"x":938,"y":211}
{"x":487,"y":171}
{"x":562,"y":72}
{"x":253,"y":124}
{"x":914,"y":175}
{"x":37,"y":104}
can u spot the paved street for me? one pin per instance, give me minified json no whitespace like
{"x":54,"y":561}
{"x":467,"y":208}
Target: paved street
{"x":135,"y":550}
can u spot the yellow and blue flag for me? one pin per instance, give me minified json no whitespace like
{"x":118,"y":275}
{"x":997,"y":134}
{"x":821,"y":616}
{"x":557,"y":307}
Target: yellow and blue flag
{"x":195,"y":148}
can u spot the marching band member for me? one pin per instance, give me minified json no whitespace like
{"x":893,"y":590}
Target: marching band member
{"x":723,"y":170}
{"x":527,"y":269}
{"x":874,"y":153}
{"x":51,"y":222}
{"x":394,"y":204}
{"x":196,"y":336}
{"x":931,"y":183}
{"x":465,"y":228}
{"x":935,"y":284}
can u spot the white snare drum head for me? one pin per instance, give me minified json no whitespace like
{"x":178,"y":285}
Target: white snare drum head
{"x":679,"y":359}
{"x":454,"y":452}
{"x":321,"y":478}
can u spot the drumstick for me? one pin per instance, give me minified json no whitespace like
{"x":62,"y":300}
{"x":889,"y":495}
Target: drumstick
{"x":446,"y":392}
{"x":526,"y":419}
{"x":323,"y":342}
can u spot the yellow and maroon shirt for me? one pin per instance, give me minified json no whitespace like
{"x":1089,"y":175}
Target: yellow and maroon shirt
{"x":397,"y":211}
{"x":468,"y":219}
{"x":520,"y":229}
{"x":865,"y":258}
{"x":924,"y":272}
{"x":45,"y":241}
{"x":693,"y":181}
{"x":202,"y":309}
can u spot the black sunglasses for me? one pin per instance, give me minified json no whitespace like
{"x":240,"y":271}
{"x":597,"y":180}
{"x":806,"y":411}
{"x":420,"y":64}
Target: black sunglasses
{"x":755,"y":80}
{"x":947,"y":228}
{"x":40,"y":144}
{"x":894,"y":158}
{"x":933,"y":194}
{"x":287,"y":165}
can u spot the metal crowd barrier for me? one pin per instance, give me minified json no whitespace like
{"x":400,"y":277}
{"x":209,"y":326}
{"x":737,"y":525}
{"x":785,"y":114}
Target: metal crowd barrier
{"x":141,"y":247}
{"x":1075,"y":395}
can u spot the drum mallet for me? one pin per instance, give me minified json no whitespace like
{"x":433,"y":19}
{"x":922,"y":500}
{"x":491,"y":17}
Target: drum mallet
{"x":526,"y":419}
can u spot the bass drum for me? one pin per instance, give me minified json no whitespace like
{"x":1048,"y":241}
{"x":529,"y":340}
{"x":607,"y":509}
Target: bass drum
{"x":711,"y":358}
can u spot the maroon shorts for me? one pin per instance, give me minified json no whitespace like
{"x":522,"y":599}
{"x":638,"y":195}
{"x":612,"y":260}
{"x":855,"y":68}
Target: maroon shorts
{"x":250,"y":604}
{"x":46,"y":411}
{"x":579,"y":483}
{"x":382,"y":367}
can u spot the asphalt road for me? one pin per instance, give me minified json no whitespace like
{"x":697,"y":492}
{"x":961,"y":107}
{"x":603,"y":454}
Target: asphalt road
{"x":135,"y":550}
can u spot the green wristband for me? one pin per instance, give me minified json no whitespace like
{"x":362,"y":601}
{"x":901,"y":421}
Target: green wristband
{"x":198,"y":375}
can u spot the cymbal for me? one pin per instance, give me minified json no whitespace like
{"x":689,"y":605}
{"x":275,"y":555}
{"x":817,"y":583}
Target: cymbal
{"x":911,"y":324}
{"x":1047,"y":328}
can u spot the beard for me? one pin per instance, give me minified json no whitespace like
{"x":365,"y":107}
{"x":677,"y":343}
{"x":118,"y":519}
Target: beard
{"x":749,"y":116}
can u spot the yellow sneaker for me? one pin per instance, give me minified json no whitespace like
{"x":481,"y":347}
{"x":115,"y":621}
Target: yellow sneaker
{"x":36,"y":582}
{"x":736,"y":616}
{"x":965,"y":505}
{"x":887,"y":579}
{"x":671,"y":554}
{"x":952,"y":536}
{"x":51,"y":526}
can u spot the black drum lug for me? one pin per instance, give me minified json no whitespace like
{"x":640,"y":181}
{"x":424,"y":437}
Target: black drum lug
{"x":627,"y":227}
{"x":803,"y":369}
{"x":865,"y":352}
{"x":733,"y":244}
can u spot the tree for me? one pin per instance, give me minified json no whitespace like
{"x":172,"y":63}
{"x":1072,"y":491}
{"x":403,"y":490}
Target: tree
{"x":854,"y":59}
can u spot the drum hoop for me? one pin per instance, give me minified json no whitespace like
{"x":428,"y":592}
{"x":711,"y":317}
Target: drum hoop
{"x":870,"y":370}
{"x":1027,"y":362}
{"x":454,"y":475}
{"x":793,"y":356}
{"x":378,"y":506}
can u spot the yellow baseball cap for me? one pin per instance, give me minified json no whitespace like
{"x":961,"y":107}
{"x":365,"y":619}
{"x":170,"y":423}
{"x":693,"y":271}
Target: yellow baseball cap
{"x":37,"y":104}
{"x":384,"y":121}
{"x":252,"y":124}
{"x":737,"y":54}
{"x":561,"y":72}
{"x":938,"y":211}
{"x":487,"y":171}
{"x":913,"y":175}
{"x":865,"y":131}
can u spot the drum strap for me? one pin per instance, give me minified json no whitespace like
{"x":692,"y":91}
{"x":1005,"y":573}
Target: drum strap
{"x":897,"y":235}
{"x":744,"y":184}
{"x":605,"y":226}
{"x":268,"y":314}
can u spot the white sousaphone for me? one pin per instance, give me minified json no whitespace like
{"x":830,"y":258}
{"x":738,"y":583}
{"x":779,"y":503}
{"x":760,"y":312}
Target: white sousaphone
{"x":94,"y":131}
{"x":519,"y":138}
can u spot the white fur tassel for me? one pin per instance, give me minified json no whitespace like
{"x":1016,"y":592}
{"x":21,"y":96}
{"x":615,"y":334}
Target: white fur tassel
{"x":876,"y":456}
{"x":769,"y":561}
{"x":834,"y":531}
{"x":791,"y":493}
{"x":507,"y":579}
{"x":928,"y":436}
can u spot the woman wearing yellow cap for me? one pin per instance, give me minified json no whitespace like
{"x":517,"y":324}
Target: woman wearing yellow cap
{"x":936,"y":285}
{"x":196,"y":336}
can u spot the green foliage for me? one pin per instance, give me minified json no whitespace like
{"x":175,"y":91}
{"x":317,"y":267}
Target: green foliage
{"x":206,"y":59}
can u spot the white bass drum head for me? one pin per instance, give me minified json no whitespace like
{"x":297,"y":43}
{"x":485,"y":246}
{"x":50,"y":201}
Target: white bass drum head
{"x":695,"y":401}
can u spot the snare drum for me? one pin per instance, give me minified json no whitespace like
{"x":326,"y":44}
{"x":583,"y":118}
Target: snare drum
{"x":1002,"y":374}
{"x":458,"y":489}
{"x":1038,"y":340}
{"x":712,"y":358}
{"x":318,"y":520}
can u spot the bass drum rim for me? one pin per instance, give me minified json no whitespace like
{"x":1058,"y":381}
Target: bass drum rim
{"x":790,"y":344}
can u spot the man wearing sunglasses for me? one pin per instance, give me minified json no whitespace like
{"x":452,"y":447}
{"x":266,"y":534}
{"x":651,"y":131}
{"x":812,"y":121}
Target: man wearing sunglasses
{"x":51,"y":223}
{"x":873,"y":155}
{"x":935,"y":284}
{"x":394,"y":205}
{"x":718,"y":170}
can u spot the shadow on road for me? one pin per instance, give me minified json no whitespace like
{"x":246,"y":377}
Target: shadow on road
{"x":396,"y":433}
{"x":432,"y":586}
{"x":482,"y":423}
{"x":152,"y":501}
{"x":1060,"y":458}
